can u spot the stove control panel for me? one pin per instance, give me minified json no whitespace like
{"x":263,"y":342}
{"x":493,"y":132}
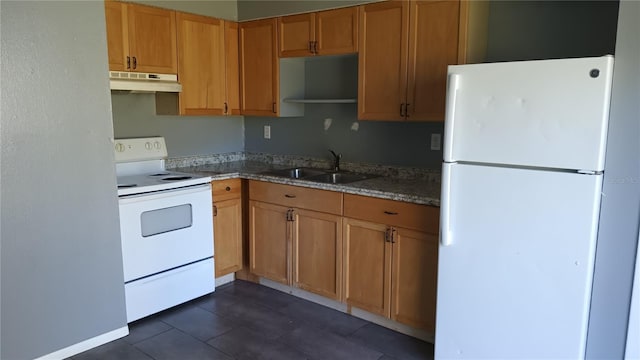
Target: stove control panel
{"x":140,"y":149}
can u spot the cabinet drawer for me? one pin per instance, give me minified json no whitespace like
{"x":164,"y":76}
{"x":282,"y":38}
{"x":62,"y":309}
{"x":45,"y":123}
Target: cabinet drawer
{"x":396,"y":213}
{"x":295,"y":196}
{"x":226,"y":189}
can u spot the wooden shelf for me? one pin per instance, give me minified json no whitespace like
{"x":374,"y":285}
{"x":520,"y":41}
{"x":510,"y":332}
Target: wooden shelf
{"x":321,"y":101}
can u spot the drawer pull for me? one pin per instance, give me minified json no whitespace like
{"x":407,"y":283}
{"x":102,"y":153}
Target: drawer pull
{"x":289,"y":196}
{"x":390,"y":212}
{"x":227,"y":188}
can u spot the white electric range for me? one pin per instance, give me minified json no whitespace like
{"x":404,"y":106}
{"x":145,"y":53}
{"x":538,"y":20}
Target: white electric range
{"x":166,"y":228}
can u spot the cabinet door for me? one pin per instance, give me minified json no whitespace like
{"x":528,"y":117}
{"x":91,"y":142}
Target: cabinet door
{"x":367,"y":266}
{"x":433,"y":45}
{"x":269,"y":247}
{"x":227,"y":229}
{"x":414,"y":280}
{"x":201,"y":60}
{"x":259,"y":67}
{"x":382,"y":66}
{"x":337,"y":31}
{"x":117,"y":35}
{"x":152,"y":39}
{"x":296,"y":34}
{"x":232,"y":64}
{"x":317,"y":253}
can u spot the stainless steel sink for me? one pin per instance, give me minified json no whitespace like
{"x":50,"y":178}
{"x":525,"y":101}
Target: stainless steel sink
{"x":296,"y":173}
{"x":339,"y":178}
{"x":318,"y":175}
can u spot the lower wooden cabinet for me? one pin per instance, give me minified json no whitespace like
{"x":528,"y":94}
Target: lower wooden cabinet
{"x":378,"y":255}
{"x":388,"y":269}
{"x":293,"y":245}
{"x":227,"y":226}
{"x":269,"y":241}
{"x":414,"y":278}
{"x":317,"y":252}
{"x":367,"y":265}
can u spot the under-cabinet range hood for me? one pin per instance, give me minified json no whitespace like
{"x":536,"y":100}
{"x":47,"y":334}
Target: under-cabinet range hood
{"x":143,"y":82}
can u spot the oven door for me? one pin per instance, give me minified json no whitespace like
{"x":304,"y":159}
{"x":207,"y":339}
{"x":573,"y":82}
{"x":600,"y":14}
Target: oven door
{"x":164,"y":230}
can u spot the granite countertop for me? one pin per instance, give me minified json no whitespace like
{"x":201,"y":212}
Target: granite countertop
{"x":418,"y":190}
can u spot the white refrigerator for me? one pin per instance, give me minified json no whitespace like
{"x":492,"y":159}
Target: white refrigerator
{"x":524,"y":151}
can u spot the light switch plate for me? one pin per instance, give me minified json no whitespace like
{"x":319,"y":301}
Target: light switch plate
{"x":267,"y":132}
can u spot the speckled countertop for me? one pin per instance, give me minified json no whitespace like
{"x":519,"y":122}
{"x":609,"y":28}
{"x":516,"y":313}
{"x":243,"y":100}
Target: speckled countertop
{"x":401,"y":184}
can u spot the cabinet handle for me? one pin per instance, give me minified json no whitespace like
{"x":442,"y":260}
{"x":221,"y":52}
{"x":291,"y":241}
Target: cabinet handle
{"x":289,"y":196}
{"x":401,"y":109}
{"x":128,"y":62}
{"x":290,"y":215}
{"x":311,"y":47}
{"x":226,"y":108}
{"x":390,"y":212}
{"x":135,"y":63}
{"x":215,"y":210}
{"x":406,"y":109}
{"x":393,"y":235}
{"x":315,"y":47}
{"x":228,"y":188}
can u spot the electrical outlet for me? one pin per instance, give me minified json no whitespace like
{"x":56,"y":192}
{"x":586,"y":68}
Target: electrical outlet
{"x":436,"y":141}
{"x":267,"y":132}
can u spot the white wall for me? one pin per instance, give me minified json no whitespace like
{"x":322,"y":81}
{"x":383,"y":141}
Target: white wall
{"x":61,"y":263}
{"x":618,"y":232}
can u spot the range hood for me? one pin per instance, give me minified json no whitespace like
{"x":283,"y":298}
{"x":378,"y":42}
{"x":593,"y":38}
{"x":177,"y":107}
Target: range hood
{"x":143,"y":82}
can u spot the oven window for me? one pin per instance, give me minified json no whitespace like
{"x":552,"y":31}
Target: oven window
{"x":160,"y":221}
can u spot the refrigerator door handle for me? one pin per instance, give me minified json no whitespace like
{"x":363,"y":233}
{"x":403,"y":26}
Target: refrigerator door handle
{"x":445,"y":207}
{"x":452,"y":92}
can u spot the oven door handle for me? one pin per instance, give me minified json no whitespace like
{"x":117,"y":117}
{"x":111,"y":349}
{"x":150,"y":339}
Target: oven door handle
{"x":126,"y":199}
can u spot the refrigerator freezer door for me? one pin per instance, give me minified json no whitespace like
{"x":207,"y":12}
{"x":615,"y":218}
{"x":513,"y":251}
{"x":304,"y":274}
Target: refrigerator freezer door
{"x":514,"y":276}
{"x":546,"y":113}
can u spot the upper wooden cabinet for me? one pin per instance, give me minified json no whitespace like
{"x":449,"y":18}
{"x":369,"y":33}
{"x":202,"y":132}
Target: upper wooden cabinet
{"x":141,"y":38}
{"x":232,"y":67}
{"x":405,"y":48}
{"x":259,"y":68}
{"x":207,"y":65}
{"x":322,"y":33}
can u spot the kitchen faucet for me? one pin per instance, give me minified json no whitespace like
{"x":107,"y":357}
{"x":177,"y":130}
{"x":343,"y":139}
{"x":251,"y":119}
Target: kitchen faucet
{"x":336,"y":160}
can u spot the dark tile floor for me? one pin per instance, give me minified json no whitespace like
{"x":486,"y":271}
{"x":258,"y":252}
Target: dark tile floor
{"x":243,"y":320}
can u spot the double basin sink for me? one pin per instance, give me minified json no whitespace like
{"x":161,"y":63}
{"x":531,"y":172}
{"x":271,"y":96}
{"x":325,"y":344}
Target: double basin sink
{"x":318,"y":175}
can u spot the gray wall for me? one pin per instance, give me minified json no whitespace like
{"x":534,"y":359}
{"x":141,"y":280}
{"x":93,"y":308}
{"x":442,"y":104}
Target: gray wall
{"x":61,"y":273}
{"x":134,"y":116}
{"x":391,"y":143}
{"x":256,"y":9}
{"x":618,"y":232}
{"x":529,"y":30}
{"x":222,"y":9}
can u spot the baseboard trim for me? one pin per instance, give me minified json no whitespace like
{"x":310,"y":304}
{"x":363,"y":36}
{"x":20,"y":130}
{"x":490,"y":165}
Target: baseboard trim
{"x":225,"y":279}
{"x":87,"y":344}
